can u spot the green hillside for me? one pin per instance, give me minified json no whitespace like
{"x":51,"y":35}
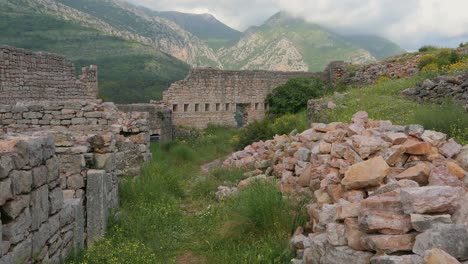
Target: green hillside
{"x":379,"y":47}
{"x":128,"y":71}
{"x":205,"y":26}
{"x":288,"y":42}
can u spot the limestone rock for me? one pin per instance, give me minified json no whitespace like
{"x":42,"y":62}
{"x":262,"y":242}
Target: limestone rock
{"x":450,"y":149}
{"x":418,"y":148}
{"x":389,"y":243}
{"x":5,"y":191}
{"x":366,"y":174}
{"x":462,"y":158}
{"x":461,"y":215}
{"x":340,"y":255}
{"x":354,"y":234}
{"x":336,"y":234}
{"x":422,"y":223}
{"x":418,"y":173}
{"x":438,"y":256}
{"x":430,"y":199}
{"x":433,"y":137}
{"x":453,"y":239}
{"x":389,"y":223}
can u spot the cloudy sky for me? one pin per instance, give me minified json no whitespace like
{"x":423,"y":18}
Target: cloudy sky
{"x":410,"y":23}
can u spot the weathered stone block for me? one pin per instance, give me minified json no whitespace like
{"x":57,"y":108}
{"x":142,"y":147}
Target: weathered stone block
{"x":431,"y":199}
{"x":56,"y":200}
{"x":39,"y":176}
{"x":422,"y":223}
{"x":39,"y":206}
{"x":21,"y":181}
{"x":14,"y":207}
{"x":39,"y":239}
{"x":95,"y":205}
{"x":22,"y":251}
{"x":389,"y":243}
{"x":453,"y":239}
{"x":17,"y":230}
{"x":52,"y":166}
{"x":336,"y":234}
{"x":366,"y":174}
{"x":340,"y":255}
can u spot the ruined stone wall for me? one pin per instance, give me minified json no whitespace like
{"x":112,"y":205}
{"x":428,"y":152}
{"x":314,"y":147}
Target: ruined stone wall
{"x":159,"y":119}
{"x":441,"y":88}
{"x":37,"y":224}
{"x":213,"y":96}
{"x":28,"y":76}
{"x":92,"y":144}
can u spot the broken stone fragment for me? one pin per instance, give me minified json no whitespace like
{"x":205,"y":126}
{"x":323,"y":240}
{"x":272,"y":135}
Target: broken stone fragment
{"x":414,"y":130}
{"x":456,"y":170}
{"x":418,"y":173}
{"x":450,"y":149}
{"x":395,"y":138}
{"x":417,"y":148}
{"x":366,"y":174}
{"x":430,"y":199}
{"x":442,"y":176}
{"x":433,"y":137}
{"x":422,"y":223}
{"x":344,"y":254}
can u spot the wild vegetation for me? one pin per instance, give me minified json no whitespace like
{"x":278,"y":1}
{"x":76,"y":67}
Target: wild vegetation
{"x":170,"y":214}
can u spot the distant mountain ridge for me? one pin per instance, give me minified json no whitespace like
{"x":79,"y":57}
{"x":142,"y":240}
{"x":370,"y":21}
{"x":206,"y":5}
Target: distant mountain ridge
{"x":141,"y":51}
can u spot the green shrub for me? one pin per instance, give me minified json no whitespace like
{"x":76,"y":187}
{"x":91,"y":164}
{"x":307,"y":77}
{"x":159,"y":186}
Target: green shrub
{"x":182,"y":152}
{"x":447,"y":118}
{"x":442,"y":57}
{"x":287,"y":123}
{"x":293,"y":96}
{"x":428,"y":48}
{"x":253,"y":132}
{"x":462,"y":45}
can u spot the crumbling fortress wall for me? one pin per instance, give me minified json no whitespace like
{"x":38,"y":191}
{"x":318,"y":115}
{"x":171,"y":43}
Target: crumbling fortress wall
{"x":61,"y":152}
{"x":231,"y":98}
{"x":159,"y":118}
{"x":28,"y":76}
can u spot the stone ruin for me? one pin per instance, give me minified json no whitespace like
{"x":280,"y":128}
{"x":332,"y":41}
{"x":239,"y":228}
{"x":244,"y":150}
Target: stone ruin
{"x":27,"y":76}
{"x":441,"y":88}
{"x":383,"y":193}
{"x":61,"y":153}
{"x":229,"y":98}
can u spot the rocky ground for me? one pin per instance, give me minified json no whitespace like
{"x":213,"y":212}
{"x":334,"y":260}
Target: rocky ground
{"x":383,"y":193}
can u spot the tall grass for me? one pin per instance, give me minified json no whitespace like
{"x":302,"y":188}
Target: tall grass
{"x":170,"y":209}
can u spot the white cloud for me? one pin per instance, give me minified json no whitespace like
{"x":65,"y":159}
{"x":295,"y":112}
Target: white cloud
{"x":411,"y":23}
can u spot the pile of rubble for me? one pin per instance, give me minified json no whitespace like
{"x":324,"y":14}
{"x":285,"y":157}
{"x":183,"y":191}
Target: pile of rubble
{"x":454,"y":87}
{"x":383,"y":193}
{"x":394,"y":68}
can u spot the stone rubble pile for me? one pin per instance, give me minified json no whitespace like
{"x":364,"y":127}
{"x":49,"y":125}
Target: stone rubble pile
{"x":454,"y":87}
{"x":394,"y":68}
{"x":383,"y":193}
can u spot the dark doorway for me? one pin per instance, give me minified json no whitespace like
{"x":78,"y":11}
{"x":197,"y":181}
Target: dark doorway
{"x":241,"y":115}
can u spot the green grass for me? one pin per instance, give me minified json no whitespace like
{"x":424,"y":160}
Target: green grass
{"x":383,"y":102}
{"x":170,"y":210}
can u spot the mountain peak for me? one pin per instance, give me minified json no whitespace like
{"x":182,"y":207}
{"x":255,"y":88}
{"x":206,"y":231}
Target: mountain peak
{"x":283,"y":18}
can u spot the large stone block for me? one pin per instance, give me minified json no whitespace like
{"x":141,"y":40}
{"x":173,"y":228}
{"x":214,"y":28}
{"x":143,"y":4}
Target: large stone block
{"x":22,"y":252}
{"x":39,"y":239}
{"x":366,"y":174}
{"x":438,"y":256}
{"x":389,"y":223}
{"x":39,"y":176}
{"x":16,"y":231}
{"x":95,"y":205}
{"x":389,"y":243}
{"x":431,"y":199}
{"x":14,"y":207}
{"x":21,"y":181}
{"x":422,"y":223}
{"x":56,"y":200}
{"x":453,"y":239}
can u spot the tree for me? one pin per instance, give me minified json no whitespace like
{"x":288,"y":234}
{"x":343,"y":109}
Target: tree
{"x":293,"y":96}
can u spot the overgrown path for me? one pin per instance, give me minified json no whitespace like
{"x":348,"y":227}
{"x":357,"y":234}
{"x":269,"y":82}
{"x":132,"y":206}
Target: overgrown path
{"x":169,"y":213}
